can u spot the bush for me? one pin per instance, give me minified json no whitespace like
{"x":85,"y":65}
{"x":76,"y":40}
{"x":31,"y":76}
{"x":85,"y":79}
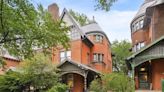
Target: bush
{"x":115,"y":82}
{"x":162,"y":85}
{"x":58,"y":88}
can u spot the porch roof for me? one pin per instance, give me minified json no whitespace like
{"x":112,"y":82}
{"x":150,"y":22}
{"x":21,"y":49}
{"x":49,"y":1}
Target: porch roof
{"x":79,"y":65}
{"x":152,"y":51}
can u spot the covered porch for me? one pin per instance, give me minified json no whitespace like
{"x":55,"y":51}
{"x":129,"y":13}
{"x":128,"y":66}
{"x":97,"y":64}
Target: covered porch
{"x":77,"y":76}
{"x":147,"y":66}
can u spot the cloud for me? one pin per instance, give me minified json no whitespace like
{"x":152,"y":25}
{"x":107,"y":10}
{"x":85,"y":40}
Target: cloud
{"x":116,"y":24}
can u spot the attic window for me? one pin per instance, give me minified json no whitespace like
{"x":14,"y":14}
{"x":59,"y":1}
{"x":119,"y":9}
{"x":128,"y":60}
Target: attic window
{"x":98,"y":38}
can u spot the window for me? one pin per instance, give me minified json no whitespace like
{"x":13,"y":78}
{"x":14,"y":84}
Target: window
{"x":141,"y":23}
{"x":98,"y":38}
{"x":138,"y":46}
{"x":137,"y":25}
{"x":142,"y":44}
{"x":65,"y":55}
{"x":97,"y":57}
{"x":74,"y":34}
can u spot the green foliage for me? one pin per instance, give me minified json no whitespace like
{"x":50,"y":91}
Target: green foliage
{"x":37,"y":74}
{"x":163,"y":85}
{"x":96,"y":86}
{"x":115,"y":82}
{"x":23,"y":27}
{"x":58,"y":88}
{"x":121,"y":52}
{"x":104,"y":4}
{"x":80,"y":18}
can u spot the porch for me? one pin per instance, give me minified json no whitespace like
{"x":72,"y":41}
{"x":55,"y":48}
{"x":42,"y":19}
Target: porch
{"x":147,"y":66}
{"x":76,"y":75}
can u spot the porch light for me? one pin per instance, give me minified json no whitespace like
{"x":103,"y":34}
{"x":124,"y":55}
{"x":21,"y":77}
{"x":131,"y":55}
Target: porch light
{"x":142,"y":69}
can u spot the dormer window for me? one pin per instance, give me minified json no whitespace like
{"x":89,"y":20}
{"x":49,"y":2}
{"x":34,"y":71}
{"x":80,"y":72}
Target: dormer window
{"x":98,"y":38}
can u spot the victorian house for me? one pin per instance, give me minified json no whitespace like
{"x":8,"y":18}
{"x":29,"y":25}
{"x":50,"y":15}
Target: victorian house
{"x":147,"y":34}
{"x":88,"y":56}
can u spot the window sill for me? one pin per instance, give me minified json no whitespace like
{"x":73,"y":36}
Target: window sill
{"x":96,"y":62}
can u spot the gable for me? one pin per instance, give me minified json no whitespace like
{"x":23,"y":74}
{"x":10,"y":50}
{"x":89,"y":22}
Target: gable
{"x":71,"y":68}
{"x":67,"y":20}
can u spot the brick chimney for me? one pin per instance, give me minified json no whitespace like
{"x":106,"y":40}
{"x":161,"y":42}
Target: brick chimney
{"x":54,"y":11}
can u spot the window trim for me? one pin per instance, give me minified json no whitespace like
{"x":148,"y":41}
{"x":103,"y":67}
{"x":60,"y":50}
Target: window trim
{"x":65,"y":55}
{"x":98,"y":57}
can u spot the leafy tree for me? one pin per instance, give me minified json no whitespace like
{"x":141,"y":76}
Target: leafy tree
{"x":121,"y":52}
{"x":37,"y":75}
{"x":23,"y":27}
{"x":80,"y":18}
{"x":115,"y":82}
{"x":104,"y":4}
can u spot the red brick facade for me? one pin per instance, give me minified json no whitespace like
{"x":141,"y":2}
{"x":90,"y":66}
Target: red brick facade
{"x":149,"y":72}
{"x":90,"y":47}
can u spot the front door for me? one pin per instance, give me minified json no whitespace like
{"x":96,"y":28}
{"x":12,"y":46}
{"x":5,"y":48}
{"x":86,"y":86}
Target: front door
{"x":143,"y":80}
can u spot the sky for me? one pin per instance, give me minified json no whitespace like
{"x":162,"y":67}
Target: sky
{"x":115,"y":23}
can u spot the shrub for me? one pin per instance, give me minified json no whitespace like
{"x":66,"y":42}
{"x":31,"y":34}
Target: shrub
{"x":162,"y":85}
{"x":115,"y":82}
{"x":58,"y":88}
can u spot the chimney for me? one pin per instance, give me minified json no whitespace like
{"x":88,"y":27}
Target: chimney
{"x":53,"y":9}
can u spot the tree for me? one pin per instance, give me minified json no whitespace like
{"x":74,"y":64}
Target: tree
{"x":36,"y":74}
{"x":114,"y":82}
{"x":82,"y":19}
{"x":23,"y":27}
{"x":121,"y":52}
{"x":104,"y":4}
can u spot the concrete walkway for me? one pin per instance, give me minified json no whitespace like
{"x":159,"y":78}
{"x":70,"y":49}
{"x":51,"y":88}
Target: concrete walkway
{"x":146,"y":91}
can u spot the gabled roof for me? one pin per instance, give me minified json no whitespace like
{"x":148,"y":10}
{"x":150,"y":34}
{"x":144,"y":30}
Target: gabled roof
{"x":81,"y":66}
{"x":146,"y":47}
{"x":84,"y":30}
{"x":72,"y":19}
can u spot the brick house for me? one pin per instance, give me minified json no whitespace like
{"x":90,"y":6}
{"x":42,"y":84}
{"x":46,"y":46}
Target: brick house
{"x":147,"y":34}
{"x":88,"y":56}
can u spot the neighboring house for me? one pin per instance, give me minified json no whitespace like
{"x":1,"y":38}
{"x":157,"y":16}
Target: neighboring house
{"x":147,"y":33}
{"x":10,"y":62}
{"x":88,"y":56}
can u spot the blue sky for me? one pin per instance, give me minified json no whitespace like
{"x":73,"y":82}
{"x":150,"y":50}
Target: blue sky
{"x":115,"y":23}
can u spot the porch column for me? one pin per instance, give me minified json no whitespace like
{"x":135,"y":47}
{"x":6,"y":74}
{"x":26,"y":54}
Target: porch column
{"x":133,"y":74}
{"x":85,"y":81}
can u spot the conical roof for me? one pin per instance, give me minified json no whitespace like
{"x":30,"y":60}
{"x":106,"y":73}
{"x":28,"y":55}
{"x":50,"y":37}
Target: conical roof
{"x":144,"y":6}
